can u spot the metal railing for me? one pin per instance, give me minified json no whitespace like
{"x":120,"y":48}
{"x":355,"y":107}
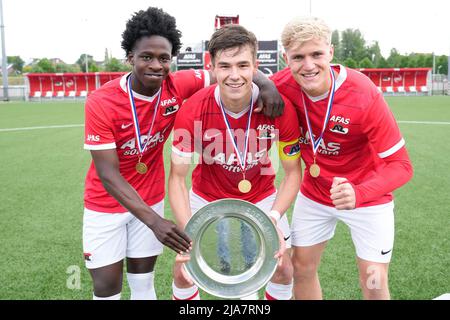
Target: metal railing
{"x":14,"y":93}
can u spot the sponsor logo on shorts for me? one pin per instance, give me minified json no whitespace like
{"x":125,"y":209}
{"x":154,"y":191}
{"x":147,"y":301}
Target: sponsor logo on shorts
{"x":87,"y":256}
{"x":385,"y":252}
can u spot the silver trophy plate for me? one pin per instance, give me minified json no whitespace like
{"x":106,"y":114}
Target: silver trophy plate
{"x":234,"y":243}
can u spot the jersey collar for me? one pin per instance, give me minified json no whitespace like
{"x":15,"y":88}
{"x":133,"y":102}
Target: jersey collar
{"x":123,"y":86}
{"x":342,"y":76}
{"x":255,"y":92}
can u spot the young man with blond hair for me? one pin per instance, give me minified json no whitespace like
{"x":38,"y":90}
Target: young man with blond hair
{"x":354,"y":156}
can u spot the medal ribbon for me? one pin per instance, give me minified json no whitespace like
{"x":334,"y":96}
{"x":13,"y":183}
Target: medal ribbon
{"x":241,"y":157}
{"x":137,"y":130}
{"x":315,"y":143}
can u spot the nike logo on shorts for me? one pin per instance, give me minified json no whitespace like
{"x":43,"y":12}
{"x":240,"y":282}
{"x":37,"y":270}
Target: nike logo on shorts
{"x":124,"y":126}
{"x":385,"y":252}
{"x":287,"y":238}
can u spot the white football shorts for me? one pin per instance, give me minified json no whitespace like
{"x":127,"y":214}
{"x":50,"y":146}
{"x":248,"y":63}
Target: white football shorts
{"x":371,"y":228}
{"x":110,"y":237}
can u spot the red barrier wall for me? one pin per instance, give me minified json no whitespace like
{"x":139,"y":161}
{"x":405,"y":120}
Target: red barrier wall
{"x":68,"y":84}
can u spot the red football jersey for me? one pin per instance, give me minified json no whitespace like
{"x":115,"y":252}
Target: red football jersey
{"x":109,"y":125}
{"x":361,"y":132}
{"x":200,"y":127}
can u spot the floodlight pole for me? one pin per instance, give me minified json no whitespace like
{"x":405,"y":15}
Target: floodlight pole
{"x":433,"y":73}
{"x":448,"y":70}
{"x":4,"y":58}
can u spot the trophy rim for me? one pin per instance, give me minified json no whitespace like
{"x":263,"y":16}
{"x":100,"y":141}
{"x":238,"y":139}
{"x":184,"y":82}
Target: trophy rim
{"x":251,"y":280}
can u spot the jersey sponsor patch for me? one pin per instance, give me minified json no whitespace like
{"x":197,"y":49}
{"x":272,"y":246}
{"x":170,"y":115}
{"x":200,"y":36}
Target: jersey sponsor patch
{"x":170,"y":110}
{"x":289,"y":150}
{"x":93,"y":137}
{"x":266,"y":131}
{"x":337,"y":128}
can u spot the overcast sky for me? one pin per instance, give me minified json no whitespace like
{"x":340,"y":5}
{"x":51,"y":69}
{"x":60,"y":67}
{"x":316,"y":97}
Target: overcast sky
{"x":66,"y":29}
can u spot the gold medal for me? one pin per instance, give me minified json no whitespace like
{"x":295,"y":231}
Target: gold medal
{"x":244,"y":186}
{"x":314,"y":170}
{"x":141,"y":168}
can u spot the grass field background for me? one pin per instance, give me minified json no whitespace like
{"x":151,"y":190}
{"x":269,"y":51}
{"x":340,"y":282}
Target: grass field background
{"x":41,"y":191}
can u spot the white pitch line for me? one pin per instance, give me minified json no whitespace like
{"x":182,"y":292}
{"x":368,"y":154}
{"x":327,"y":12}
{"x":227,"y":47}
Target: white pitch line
{"x":43,"y":127}
{"x":425,"y":122}
{"x":82,"y":125}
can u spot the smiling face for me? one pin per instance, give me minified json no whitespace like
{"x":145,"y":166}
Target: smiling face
{"x":234,"y":69}
{"x":150,"y":59}
{"x":310,"y":65}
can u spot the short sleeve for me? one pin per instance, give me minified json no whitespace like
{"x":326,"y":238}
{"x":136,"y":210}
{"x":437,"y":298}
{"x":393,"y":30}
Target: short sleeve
{"x":98,"y":134}
{"x":190,"y":81}
{"x":183,"y":134}
{"x":289,"y":132}
{"x":382,"y":129}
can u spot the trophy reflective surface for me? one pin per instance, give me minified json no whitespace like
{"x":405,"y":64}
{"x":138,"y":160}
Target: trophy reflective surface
{"x":233,"y":247}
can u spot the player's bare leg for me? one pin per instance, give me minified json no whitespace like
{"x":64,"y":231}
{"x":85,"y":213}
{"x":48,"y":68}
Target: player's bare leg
{"x":306,"y":261}
{"x":183,"y":288}
{"x":141,"y":265}
{"x":107,"y":280}
{"x":284,"y":272}
{"x":180,"y":277}
{"x":373,"y":279}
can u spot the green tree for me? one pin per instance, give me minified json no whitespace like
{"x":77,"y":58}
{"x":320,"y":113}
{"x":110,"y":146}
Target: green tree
{"x":64,"y":67}
{"x":17,"y":63}
{"x":374,"y":54}
{"x":404,"y":61}
{"x":92,"y":66}
{"x":366,"y":63}
{"x":350,"y":63}
{"x":115,"y":65}
{"x":427,"y":61}
{"x":442,"y":64}
{"x":382,"y":63}
{"x":336,"y":42}
{"x":394,"y":59}
{"x":43,"y":66}
{"x":412,"y":60}
{"x":353,"y":45}
{"x":419,"y":60}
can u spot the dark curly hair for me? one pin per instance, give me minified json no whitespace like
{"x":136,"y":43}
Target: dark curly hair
{"x":152,"y":22}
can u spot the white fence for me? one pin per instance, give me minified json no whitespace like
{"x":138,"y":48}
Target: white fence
{"x":440,"y":86}
{"x":14,"y":93}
